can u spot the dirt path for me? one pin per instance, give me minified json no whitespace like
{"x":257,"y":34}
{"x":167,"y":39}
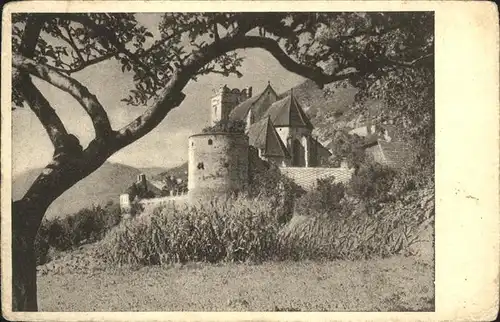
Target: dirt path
{"x":394,"y":284}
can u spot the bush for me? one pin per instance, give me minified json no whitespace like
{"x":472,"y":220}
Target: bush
{"x":348,"y":238}
{"x":136,"y":191}
{"x":226,"y":126}
{"x":236,"y":230}
{"x":86,"y":226}
{"x":326,"y":199}
{"x":411,"y":178}
{"x":271,"y":184}
{"x":347,"y":147}
{"x":371,"y":184}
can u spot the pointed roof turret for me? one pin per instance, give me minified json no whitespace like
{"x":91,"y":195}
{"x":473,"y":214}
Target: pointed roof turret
{"x":287,"y":112}
{"x":263,"y":135}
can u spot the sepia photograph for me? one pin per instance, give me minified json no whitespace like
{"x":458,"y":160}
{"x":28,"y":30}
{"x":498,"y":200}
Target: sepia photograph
{"x":222,"y":161}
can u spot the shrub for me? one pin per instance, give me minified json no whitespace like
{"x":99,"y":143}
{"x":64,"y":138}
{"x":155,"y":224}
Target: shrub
{"x":372,"y":184}
{"x":352,"y":237}
{"x":136,"y":190}
{"x":42,"y":243}
{"x":325,"y":199}
{"x":347,"y":147}
{"x":136,"y":208}
{"x":271,"y":184}
{"x":412,"y":177}
{"x":236,"y":230}
{"x":86,"y":226}
{"x":226,"y":126}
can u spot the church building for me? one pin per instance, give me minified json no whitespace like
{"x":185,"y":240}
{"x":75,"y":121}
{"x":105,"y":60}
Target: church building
{"x":276,"y":125}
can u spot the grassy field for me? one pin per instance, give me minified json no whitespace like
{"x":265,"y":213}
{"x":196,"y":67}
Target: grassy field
{"x":392,"y":284}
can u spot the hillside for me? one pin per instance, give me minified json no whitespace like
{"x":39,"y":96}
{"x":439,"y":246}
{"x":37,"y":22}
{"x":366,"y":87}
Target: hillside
{"x":179,"y":171}
{"x":316,"y":103}
{"x":330,"y":109}
{"x":105,"y":184}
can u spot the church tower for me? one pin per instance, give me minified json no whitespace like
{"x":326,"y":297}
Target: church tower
{"x":225,"y":100}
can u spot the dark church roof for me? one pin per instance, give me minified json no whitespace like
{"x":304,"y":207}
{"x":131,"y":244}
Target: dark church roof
{"x":263,"y":135}
{"x":241,"y":110}
{"x":288,"y":112}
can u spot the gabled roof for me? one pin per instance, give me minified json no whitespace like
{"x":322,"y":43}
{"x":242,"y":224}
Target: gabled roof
{"x":288,"y":112}
{"x":263,"y":135}
{"x":241,"y":110}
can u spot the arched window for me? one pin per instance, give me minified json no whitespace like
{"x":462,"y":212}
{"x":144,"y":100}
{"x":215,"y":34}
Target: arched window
{"x":210,"y":142}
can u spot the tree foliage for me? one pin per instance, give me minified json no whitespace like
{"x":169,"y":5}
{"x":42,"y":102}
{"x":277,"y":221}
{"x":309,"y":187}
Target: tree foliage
{"x":347,"y":147}
{"x":325,"y":199}
{"x":374,"y":45}
{"x":399,"y":50}
{"x":372,"y":185}
{"x":382,"y":54}
{"x":226,"y":126}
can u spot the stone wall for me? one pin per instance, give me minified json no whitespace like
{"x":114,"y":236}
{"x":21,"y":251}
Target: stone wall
{"x":218,"y":165}
{"x":152,"y":203}
{"x":307,"y":177}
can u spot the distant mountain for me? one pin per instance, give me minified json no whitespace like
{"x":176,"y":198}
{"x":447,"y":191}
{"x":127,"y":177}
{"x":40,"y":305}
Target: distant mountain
{"x":179,"y":172}
{"x":152,"y":171}
{"x":105,"y":184}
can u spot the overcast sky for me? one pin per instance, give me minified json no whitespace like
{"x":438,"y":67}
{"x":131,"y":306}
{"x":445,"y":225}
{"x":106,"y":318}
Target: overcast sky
{"x":165,"y":146}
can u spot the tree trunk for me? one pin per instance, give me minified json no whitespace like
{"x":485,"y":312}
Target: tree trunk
{"x":27,"y":215}
{"x":24,"y":290}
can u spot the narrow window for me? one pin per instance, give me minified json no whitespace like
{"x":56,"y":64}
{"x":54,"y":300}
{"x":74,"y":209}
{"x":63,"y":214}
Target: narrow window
{"x":201,"y":166}
{"x":210,"y":142}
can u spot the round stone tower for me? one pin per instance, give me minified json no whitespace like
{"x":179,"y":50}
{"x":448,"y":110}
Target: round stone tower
{"x":218,"y":165}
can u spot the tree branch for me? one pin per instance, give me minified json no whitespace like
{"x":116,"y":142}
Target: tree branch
{"x":85,"y":64}
{"x":411,"y":63}
{"x":88,"y":101}
{"x":72,"y":42}
{"x":171,"y":96}
{"x":314,"y":73}
{"x":42,"y":109}
{"x":110,"y":35}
